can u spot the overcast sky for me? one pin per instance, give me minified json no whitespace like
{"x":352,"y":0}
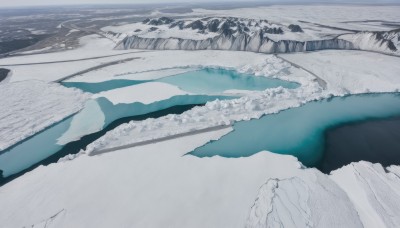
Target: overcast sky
{"x":7,"y":3}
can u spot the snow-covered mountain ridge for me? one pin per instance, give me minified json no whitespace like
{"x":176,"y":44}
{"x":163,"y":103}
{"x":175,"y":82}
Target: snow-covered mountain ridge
{"x":239,"y":34}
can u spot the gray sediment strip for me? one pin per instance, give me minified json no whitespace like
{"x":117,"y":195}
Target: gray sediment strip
{"x":320,"y":81}
{"x":215,"y":128}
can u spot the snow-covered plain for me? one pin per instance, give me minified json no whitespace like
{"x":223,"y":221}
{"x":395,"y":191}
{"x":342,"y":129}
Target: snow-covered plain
{"x":351,"y":71}
{"x":94,"y":51}
{"x":330,"y":15}
{"x":157,"y":185}
{"x":157,"y":64}
{"x":30,"y":106}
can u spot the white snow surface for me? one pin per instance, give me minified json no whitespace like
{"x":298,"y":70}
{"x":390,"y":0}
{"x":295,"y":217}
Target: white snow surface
{"x":145,"y":93}
{"x":155,"y":186}
{"x":30,"y":106}
{"x":157,"y":64}
{"x":330,"y":15}
{"x":352,"y":71}
{"x":297,"y":202}
{"x":61,"y":64}
{"x":374,"y":192}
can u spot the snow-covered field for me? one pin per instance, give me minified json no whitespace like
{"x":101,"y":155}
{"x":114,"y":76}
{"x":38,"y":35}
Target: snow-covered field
{"x":333,"y":15}
{"x":154,"y":185}
{"x":352,"y":71}
{"x":30,"y":106}
{"x":157,"y":184}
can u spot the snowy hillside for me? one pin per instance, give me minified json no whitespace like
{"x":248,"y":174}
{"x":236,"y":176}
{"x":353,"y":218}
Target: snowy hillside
{"x":240,"y":34}
{"x":386,"y":42}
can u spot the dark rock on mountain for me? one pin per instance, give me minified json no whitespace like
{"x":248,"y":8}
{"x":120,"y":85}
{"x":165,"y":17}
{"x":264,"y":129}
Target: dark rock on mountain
{"x":273,"y":30}
{"x":160,"y":21}
{"x":153,"y":29}
{"x":179,"y":24}
{"x":212,"y":25}
{"x":295,"y":28}
{"x":196,"y":25}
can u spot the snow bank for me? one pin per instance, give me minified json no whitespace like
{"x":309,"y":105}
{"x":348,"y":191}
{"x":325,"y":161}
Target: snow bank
{"x":352,"y":71}
{"x":307,"y":200}
{"x":30,"y":106}
{"x":155,"y":185}
{"x":156,"y":64}
{"x":374,"y":192}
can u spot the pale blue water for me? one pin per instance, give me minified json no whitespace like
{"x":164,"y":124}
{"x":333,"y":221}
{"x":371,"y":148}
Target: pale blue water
{"x":215,"y":81}
{"x":97,"y":87}
{"x":204,"y":81}
{"x":33,"y":150}
{"x":44,"y":144}
{"x":300,"y":131}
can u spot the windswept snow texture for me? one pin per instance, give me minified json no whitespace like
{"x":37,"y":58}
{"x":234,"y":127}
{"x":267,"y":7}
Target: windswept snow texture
{"x":165,"y":187}
{"x":373,"y":190}
{"x":158,"y":184}
{"x":307,"y":200}
{"x":31,"y":106}
{"x":351,"y":71}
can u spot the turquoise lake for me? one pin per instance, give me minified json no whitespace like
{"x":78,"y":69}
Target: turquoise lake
{"x":45,"y":143}
{"x":204,"y":81}
{"x":300,"y":131}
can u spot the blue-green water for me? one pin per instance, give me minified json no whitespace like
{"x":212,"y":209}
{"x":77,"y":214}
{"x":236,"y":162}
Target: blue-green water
{"x":35,"y":149}
{"x":204,"y":81}
{"x":45,"y":143}
{"x":300,"y":131}
{"x":97,"y":87}
{"x":214,"y":81}
{"x":209,"y":84}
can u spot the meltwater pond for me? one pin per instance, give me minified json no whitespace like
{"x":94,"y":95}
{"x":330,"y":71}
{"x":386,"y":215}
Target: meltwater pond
{"x":301,"y":131}
{"x":96,"y":116}
{"x":75,"y":132}
{"x":203,"y":81}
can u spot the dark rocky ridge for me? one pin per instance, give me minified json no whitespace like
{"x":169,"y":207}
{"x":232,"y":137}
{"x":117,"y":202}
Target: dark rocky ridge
{"x":239,"y":34}
{"x":224,"y":25}
{"x":295,"y":28}
{"x":256,"y":43}
{"x":3,"y":73}
{"x":389,"y":38}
